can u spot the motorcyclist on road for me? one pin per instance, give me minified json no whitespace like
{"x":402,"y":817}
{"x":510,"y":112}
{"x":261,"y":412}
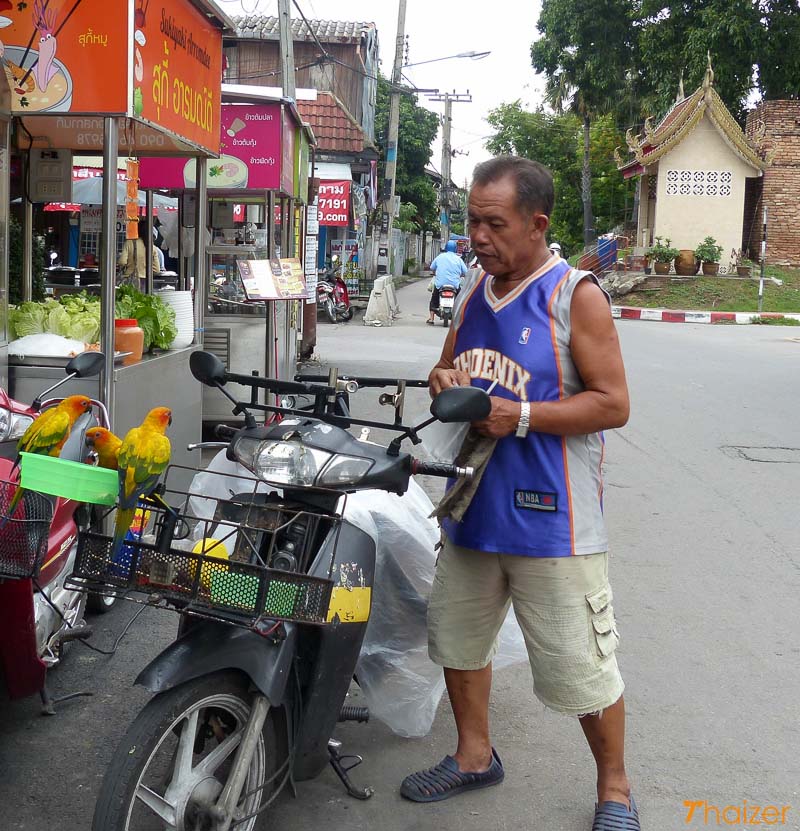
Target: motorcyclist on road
{"x":555,"y":248}
{"x":448,"y":269}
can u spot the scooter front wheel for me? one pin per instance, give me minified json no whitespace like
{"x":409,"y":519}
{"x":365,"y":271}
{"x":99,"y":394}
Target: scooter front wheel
{"x":330,"y":309}
{"x":172,"y":765}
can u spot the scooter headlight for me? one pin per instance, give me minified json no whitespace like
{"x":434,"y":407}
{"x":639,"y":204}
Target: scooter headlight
{"x":295,"y":464}
{"x":282,"y":462}
{"x":13,"y":425}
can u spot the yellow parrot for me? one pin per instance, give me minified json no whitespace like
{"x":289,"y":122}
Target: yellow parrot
{"x":47,"y":434}
{"x":143,"y":457}
{"x":106,"y":445}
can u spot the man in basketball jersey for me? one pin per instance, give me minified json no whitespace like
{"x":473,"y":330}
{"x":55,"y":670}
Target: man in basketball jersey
{"x":533,"y":534}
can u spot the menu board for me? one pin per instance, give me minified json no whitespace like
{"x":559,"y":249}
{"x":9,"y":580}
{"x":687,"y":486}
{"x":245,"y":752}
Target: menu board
{"x":272,"y":279}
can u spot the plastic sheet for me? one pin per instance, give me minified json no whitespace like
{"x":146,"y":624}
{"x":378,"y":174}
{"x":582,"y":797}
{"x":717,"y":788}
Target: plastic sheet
{"x":402,"y":687}
{"x":443,"y":441}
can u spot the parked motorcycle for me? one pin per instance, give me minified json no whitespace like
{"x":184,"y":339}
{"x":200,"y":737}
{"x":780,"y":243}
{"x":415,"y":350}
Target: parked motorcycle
{"x":447,"y":299}
{"x":39,"y":613}
{"x":275,"y":590}
{"x":333,"y":299}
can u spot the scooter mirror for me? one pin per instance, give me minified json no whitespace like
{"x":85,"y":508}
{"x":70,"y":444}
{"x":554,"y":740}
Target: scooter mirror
{"x":86,"y":364}
{"x":461,"y":404}
{"x":207,"y":368}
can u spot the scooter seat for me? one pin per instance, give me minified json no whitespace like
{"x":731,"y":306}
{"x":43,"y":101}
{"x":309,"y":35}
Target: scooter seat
{"x":75,"y":448}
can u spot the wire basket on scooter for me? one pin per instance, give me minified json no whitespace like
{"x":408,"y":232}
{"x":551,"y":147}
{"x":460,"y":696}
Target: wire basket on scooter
{"x":23,"y":532}
{"x":221,"y":564}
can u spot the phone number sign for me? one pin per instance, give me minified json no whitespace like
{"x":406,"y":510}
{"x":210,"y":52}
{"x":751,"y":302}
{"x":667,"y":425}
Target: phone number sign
{"x":333,"y":202}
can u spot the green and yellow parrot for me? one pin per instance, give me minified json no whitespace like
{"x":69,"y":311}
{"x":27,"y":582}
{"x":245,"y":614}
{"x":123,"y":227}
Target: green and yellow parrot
{"x":142,"y":458}
{"x":47,"y":434}
{"x":106,"y":445}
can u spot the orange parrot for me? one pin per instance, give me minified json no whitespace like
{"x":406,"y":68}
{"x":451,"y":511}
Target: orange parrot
{"x":106,"y":445}
{"x":47,"y":434}
{"x":143,"y":457}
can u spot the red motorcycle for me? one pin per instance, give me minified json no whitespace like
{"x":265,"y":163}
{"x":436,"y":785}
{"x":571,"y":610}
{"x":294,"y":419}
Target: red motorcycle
{"x":333,"y":299}
{"x":39,"y":615}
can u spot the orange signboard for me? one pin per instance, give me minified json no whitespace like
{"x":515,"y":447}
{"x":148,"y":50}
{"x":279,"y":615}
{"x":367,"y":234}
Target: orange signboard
{"x":177,"y":66}
{"x":77,"y":56}
{"x":65,"y":56}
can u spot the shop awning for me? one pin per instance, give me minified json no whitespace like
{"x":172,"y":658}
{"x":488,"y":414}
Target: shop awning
{"x":332,"y":171}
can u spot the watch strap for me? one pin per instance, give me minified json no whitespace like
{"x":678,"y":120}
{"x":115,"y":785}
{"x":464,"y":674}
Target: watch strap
{"x":524,"y":423}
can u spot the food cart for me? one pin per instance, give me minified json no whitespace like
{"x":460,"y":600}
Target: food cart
{"x":256,"y":191}
{"x":5,"y":119}
{"x":127,"y":79}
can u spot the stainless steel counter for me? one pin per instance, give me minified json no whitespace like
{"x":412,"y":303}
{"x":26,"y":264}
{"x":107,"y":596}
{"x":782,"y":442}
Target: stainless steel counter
{"x":160,"y":379}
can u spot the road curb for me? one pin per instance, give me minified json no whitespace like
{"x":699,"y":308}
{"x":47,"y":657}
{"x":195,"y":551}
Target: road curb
{"x":670,"y":316}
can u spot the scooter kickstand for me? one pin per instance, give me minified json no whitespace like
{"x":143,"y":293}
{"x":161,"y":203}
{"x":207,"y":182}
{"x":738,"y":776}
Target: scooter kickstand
{"x":48,"y":708}
{"x":342,"y":765}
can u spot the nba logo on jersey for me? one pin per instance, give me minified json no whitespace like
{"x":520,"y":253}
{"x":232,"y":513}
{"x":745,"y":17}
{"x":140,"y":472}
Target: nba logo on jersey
{"x":525,"y":334}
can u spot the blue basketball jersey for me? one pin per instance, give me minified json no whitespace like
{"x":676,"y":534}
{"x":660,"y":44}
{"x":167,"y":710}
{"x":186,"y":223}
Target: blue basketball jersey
{"x":540,"y":496}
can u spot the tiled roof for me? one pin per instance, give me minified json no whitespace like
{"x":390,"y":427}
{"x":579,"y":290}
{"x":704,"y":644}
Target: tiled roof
{"x":679,"y":122}
{"x":334,"y":128}
{"x":263,"y":27}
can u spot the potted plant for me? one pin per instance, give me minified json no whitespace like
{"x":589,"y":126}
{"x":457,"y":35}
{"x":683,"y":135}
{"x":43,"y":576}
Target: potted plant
{"x":708,"y":252}
{"x":743,"y":268}
{"x":662,"y":254}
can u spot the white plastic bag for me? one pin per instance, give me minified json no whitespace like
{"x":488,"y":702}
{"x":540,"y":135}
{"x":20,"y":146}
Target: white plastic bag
{"x":401,"y":685}
{"x":443,"y":441}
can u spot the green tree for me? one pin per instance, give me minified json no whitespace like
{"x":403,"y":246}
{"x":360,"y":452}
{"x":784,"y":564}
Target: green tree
{"x":556,"y":140}
{"x":16,"y":248}
{"x":779,"y":56}
{"x":675,"y":38}
{"x":586,"y":51}
{"x":416,"y":134}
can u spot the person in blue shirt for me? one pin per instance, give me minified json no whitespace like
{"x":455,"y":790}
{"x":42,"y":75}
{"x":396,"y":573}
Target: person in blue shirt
{"x":448,"y":269}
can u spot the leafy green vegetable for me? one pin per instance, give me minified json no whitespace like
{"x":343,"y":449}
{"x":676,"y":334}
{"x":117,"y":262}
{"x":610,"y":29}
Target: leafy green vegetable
{"x":156,"y":318}
{"x":27,"y":319}
{"x":78,"y":316}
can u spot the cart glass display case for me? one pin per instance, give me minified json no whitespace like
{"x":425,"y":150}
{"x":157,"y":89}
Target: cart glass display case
{"x":226,"y":294}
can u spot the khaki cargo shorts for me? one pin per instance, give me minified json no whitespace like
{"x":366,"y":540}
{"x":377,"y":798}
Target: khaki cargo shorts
{"x":563,"y":605}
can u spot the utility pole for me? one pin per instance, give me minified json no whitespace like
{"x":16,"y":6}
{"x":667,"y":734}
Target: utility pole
{"x":287,"y":48}
{"x":445,"y":191}
{"x":308,"y":313}
{"x":387,"y":215}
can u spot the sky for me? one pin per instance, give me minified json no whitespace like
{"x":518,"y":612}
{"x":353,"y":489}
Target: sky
{"x":436,"y":29}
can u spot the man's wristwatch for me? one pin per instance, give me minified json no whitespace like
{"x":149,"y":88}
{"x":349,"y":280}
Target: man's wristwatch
{"x":524,"y":423}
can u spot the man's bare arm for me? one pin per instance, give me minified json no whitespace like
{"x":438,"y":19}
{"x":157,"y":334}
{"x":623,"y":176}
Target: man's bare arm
{"x":444,"y":375}
{"x":595,"y":350}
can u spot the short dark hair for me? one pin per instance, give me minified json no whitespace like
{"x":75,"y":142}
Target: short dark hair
{"x":533,"y":181}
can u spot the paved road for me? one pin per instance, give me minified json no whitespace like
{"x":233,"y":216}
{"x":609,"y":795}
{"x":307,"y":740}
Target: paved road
{"x":701,"y":501}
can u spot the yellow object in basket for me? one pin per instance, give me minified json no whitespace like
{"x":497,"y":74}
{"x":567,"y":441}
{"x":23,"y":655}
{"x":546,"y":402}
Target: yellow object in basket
{"x":210,"y":548}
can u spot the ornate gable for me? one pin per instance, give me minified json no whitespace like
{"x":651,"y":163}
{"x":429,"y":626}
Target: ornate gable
{"x":679,"y":122}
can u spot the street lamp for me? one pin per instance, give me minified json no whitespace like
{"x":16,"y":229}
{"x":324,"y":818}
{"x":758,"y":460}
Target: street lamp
{"x":475,"y":56}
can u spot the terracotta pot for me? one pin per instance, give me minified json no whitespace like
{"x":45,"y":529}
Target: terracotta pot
{"x":661,"y":268}
{"x":685,"y":263}
{"x":710,"y":269}
{"x":744,"y":270}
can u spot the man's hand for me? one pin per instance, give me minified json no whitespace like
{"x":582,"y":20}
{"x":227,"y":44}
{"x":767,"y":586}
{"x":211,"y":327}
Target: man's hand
{"x":441,"y":378}
{"x":502,"y":421}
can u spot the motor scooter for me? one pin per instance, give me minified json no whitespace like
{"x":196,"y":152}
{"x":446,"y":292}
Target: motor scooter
{"x":447,"y":299}
{"x":272,"y":615}
{"x":333,"y":299}
{"x":39,"y":614}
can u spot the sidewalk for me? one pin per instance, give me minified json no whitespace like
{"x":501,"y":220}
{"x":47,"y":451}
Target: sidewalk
{"x":670,"y":316}
{"x":657,"y":315}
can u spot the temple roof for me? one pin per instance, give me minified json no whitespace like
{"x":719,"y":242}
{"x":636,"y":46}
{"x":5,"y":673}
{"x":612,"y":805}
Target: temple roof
{"x":679,"y":122}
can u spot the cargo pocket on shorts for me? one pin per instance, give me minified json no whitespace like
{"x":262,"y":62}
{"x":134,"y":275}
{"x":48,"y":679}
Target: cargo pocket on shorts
{"x":604,"y":626}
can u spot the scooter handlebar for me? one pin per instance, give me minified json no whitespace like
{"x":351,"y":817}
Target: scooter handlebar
{"x":447,"y":471}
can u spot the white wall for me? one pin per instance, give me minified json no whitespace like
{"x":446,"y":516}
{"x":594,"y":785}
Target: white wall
{"x":687,"y":218}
